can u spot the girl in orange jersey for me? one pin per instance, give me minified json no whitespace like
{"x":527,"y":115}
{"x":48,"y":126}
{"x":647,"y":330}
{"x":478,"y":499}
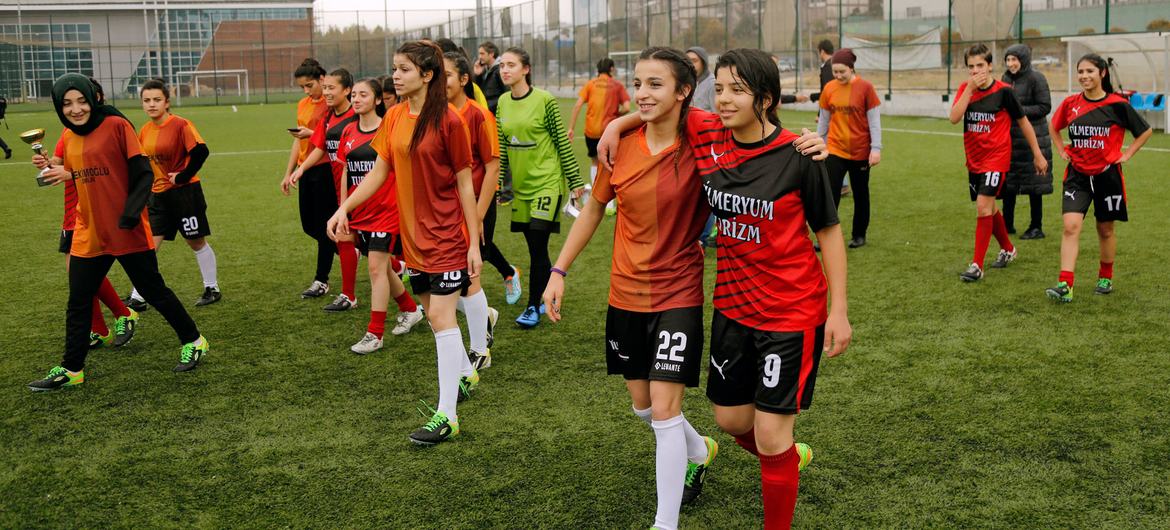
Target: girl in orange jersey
{"x":425,"y":143}
{"x":101,"y":154}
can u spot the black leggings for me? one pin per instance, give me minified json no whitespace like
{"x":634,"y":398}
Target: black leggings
{"x":539,"y":264}
{"x":318,"y":200}
{"x":1009,"y":211}
{"x":85,"y":276}
{"x":858,"y":182}
{"x":489,"y":251}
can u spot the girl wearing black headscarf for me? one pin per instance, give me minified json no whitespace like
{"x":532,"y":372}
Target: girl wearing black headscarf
{"x":102,"y":156}
{"x":1031,"y":88}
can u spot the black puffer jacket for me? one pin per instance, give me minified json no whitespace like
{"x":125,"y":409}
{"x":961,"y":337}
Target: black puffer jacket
{"x":1031,"y":89}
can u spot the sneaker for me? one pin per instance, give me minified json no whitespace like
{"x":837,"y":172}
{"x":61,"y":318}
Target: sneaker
{"x":135,"y":304}
{"x":1033,"y":233}
{"x":530,"y":317}
{"x":479,"y":361}
{"x":1104,"y":286}
{"x":806,"y":455}
{"x":97,"y":340}
{"x":467,"y":384}
{"x":693,"y":482}
{"x":210,"y":296}
{"x":972,"y":274}
{"x":493,"y":316}
{"x":407,"y":321}
{"x":58,"y":378}
{"x":1061,"y":292}
{"x":316,"y":290}
{"x":191,"y":354}
{"x":124,"y":328}
{"x":7,"y":153}
{"x":339,"y":304}
{"x":439,"y":428}
{"x":857,"y":242}
{"x":1004,"y":257}
{"x":512,"y":290}
{"x":370,"y":343}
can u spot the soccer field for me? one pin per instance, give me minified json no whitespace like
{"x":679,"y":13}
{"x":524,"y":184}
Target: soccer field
{"x":958,"y":405}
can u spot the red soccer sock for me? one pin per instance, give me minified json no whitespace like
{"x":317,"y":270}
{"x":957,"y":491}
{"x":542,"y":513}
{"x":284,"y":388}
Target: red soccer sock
{"x":110,"y":299}
{"x":999,"y":230}
{"x":780,"y":476}
{"x":747,"y":441}
{"x":1106,"y":271}
{"x":406,"y":303}
{"x":347,"y":253}
{"x":377,"y":323}
{"x":1066,"y":277}
{"x":97,"y":323}
{"x":983,"y":229}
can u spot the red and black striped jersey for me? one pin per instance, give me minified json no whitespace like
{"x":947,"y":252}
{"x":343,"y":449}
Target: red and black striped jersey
{"x":1096,"y":130}
{"x":766,"y":196}
{"x":328,"y":136}
{"x":380,"y":212}
{"x":987,"y":127}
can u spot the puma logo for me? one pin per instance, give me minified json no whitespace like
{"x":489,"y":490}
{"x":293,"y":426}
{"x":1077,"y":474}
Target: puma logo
{"x":1076,"y":110}
{"x":715,"y":156}
{"x":1071,"y":195}
{"x":719,"y":367}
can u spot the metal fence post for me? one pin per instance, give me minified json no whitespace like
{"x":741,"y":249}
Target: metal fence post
{"x":264,"y":54}
{"x":890,"y":54}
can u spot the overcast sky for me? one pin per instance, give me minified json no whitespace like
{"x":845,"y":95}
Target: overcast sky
{"x":345,"y":12}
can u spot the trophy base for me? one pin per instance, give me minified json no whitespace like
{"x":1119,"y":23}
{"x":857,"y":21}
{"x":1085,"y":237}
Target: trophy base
{"x":41,"y":182}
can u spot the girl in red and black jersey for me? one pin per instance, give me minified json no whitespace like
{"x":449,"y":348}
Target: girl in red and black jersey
{"x":1096,"y":120}
{"x":425,"y":144}
{"x":336,"y":88}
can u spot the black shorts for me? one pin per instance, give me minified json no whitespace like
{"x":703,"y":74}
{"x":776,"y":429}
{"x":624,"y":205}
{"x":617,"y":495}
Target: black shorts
{"x":66,"y":241}
{"x":657,"y":346}
{"x":988,"y":184}
{"x":1104,"y":191}
{"x":439,"y":283}
{"x":774,"y":370}
{"x":591,"y":146}
{"x":179,"y":210}
{"x":376,"y":241}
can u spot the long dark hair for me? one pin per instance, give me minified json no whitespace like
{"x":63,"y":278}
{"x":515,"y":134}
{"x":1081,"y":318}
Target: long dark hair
{"x":755,"y":70}
{"x":684,"y":77}
{"x":375,"y":86}
{"x":462,"y":68}
{"x":310,"y":68}
{"x":343,"y":77}
{"x":1103,"y":66}
{"x":525,"y":60}
{"x":427,"y":57}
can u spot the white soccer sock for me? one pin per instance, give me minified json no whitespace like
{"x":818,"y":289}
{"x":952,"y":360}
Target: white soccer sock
{"x":592,"y":174}
{"x":134,"y":295}
{"x":642,"y":414}
{"x":670,"y":469}
{"x":465,"y":367}
{"x":449,"y":344}
{"x":207,"y":267}
{"x":476,"y":308}
{"x":696,"y":444}
{"x":460,"y":306}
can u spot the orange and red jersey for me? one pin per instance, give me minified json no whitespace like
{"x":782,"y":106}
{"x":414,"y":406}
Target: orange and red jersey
{"x":1096,"y":130}
{"x":310,"y":112}
{"x":327,"y":137}
{"x":604,"y":98}
{"x":98,"y":162}
{"x":657,"y":260}
{"x":70,"y":217}
{"x":987,"y":127}
{"x":847,"y":104}
{"x":168,"y":146}
{"x":379,"y":213}
{"x":434,"y":236}
{"x":485,"y":140}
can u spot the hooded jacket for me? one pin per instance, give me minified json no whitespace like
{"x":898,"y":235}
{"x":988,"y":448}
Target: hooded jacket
{"x":1031,"y":89}
{"x":705,"y":87}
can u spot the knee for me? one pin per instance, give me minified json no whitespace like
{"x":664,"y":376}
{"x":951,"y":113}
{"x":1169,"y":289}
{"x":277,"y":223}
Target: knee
{"x":1072,"y":228}
{"x":733,"y":424}
{"x":1105,"y":230}
{"x":197,"y":244}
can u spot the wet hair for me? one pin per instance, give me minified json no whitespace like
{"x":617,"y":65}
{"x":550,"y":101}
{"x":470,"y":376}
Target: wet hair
{"x":491,"y":48}
{"x":755,"y":70}
{"x":375,"y":86}
{"x":310,"y":68}
{"x":343,"y":77}
{"x":978,"y":50}
{"x":525,"y":60}
{"x":826,"y":46}
{"x":1102,"y":66}
{"x":462,"y":68}
{"x":427,"y":57}
{"x":157,"y":84}
{"x":605,"y":65}
{"x":684,"y":76}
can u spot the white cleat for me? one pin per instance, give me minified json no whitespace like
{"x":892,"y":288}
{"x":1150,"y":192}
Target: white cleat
{"x":407,"y":321}
{"x":369,"y":344}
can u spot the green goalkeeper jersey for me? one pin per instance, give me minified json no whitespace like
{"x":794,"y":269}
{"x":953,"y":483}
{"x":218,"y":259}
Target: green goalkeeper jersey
{"x":534,"y":145}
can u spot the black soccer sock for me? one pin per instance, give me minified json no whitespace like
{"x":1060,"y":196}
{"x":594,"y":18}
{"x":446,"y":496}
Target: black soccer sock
{"x":539,"y":262}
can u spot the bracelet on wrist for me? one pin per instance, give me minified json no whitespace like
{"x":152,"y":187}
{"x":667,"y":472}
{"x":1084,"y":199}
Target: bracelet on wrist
{"x":559,"y":271}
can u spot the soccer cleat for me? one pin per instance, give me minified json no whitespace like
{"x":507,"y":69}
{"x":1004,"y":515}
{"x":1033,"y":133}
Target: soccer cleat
{"x":135,"y":304}
{"x":191,"y":354}
{"x":806,"y":455}
{"x":693,"y":482}
{"x":210,"y":296}
{"x":972,"y":274}
{"x":479,"y":361}
{"x":370,"y":343}
{"x":857,"y":242}
{"x":1033,"y":233}
{"x":493,"y":316}
{"x":339,"y":304}
{"x":1104,"y":286}
{"x":407,"y":321}
{"x":58,"y":377}
{"x":530,"y":317}
{"x":439,"y":428}
{"x":467,"y":384}
{"x":512,"y":290}
{"x":97,"y":340}
{"x":1004,"y":257}
{"x":1061,"y":292}
{"x":124,"y":328}
{"x":315,"y":290}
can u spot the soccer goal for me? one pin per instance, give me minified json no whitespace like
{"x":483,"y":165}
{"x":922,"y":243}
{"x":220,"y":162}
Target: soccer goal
{"x":226,"y":82}
{"x":624,"y":61}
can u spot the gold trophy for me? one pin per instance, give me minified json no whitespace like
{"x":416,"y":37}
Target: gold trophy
{"x":33,"y":138}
